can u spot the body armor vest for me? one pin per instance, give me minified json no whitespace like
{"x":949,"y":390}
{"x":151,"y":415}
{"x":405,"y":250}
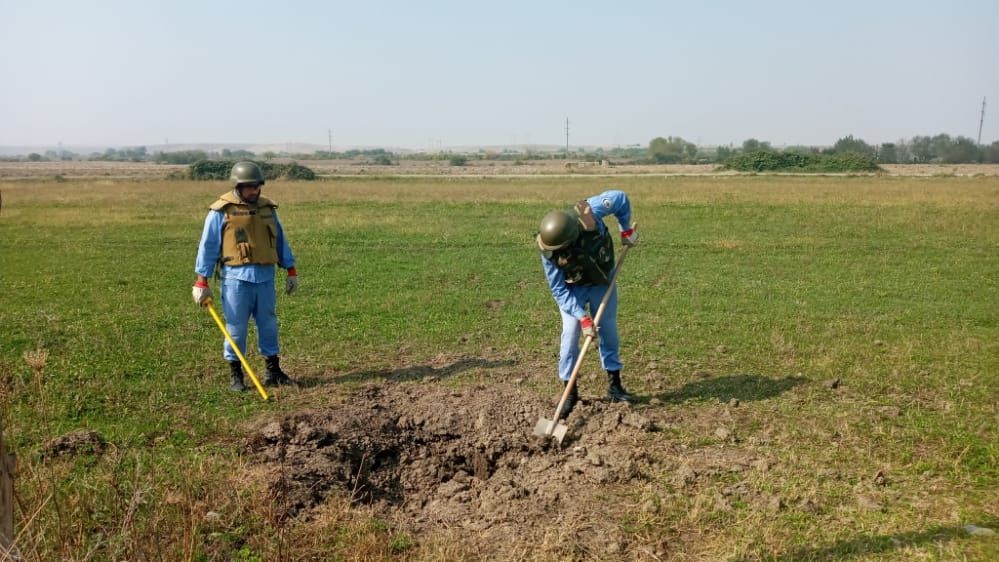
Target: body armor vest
{"x":587,"y":261}
{"x":249,"y":234}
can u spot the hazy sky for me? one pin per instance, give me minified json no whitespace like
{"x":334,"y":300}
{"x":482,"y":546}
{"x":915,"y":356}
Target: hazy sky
{"x":418,"y":74}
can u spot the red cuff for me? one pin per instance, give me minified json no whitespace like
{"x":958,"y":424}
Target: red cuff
{"x":201,"y":284}
{"x":627,"y":233}
{"x":292,"y":272}
{"x":586,"y":322}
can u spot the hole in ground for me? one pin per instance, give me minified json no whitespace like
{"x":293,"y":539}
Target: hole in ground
{"x":427,"y":455}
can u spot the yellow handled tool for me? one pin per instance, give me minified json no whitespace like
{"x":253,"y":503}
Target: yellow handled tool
{"x":207,"y":303}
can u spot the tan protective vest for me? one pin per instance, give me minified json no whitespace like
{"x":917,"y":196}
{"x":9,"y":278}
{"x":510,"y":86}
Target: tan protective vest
{"x":249,"y":233}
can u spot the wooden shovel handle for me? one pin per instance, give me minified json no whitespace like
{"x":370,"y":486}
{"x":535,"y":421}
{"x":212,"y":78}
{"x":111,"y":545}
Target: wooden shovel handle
{"x":589,"y":339}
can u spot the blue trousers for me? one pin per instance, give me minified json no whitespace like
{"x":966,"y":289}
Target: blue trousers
{"x":610,"y":356}
{"x":242,"y":299}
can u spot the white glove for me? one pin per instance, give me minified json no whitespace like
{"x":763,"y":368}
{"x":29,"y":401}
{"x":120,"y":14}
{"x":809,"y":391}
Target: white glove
{"x":201,"y":294}
{"x":290,"y":284}
{"x":629,"y":237}
{"x":589,"y":330}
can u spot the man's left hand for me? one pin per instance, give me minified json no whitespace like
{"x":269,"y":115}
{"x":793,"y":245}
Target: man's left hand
{"x":291,"y":283}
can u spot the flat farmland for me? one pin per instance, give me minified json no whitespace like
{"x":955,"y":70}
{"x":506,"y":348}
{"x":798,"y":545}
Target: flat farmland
{"x":816,"y":361}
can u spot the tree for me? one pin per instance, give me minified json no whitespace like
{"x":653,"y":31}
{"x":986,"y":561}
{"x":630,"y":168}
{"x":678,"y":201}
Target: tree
{"x":856,"y":146}
{"x":922,"y":149}
{"x":671,"y":150}
{"x":753,"y":145}
{"x":723,"y":153}
{"x":34,"y":157}
{"x":940,"y":145}
{"x":182,"y":156}
{"x":903,"y":152}
{"x":888,"y":153}
{"x":691,"y":150}
{"x":990,"y":153}
{"x":962,"y":151}
{"x":137,"y":154}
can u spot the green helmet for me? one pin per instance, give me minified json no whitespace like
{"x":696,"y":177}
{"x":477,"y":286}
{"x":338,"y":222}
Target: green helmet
{"x":558,"y":230}
{"x":246,"y":172}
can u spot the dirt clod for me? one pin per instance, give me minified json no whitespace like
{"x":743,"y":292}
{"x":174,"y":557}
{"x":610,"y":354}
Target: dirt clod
{"x":79,"y":442}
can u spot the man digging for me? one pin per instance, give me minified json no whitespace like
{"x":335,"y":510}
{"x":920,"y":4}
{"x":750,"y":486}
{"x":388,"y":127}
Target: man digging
{"x":577,"y":254}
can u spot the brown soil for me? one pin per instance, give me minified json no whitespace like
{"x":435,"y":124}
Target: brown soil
{"x":427,"y":457}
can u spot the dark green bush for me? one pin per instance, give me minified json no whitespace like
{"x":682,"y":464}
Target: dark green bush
{"x":219,"y":170}
{"x":210,"y":169}
{"x":294,"y":171}
{"x":771,"y":161}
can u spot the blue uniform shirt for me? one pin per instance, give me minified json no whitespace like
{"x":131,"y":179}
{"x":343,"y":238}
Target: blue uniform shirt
{"x":612,"y":202}
{"x":210,"y":249}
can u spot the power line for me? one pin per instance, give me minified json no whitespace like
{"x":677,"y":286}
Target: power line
{"x":981,"y":121}
{"x":566,"y":137}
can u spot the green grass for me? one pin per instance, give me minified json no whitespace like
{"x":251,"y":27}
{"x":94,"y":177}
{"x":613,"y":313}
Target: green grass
{"x":889,"y":284}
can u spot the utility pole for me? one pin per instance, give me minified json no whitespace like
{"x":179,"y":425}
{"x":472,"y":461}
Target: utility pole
{"x":330,"y":131}
{"x":566,"y":138}
{"x":981,"y":121}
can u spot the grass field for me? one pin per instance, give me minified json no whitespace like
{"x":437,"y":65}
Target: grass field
{"x":746,"y":298}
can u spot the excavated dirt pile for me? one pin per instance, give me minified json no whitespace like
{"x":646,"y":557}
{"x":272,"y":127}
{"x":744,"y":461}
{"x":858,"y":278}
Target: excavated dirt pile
{"x":430,"y":456}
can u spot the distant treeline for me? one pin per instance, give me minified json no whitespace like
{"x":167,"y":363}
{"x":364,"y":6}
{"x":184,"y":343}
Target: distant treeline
{"x":939,"y":149}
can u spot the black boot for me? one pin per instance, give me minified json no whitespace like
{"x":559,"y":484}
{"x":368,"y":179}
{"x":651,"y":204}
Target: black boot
{"x":615,"y":391}
{"x":570,"y":401}
{"x":275,"y":376}
{"x":237,"y":377}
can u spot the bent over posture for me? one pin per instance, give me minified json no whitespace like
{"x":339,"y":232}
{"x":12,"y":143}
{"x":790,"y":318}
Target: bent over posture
{"x":577,"y":254}
{"x":242,"y":234}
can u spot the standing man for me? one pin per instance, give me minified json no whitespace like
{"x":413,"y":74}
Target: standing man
{"x":243,"y":235}
{"x":577,"y":253}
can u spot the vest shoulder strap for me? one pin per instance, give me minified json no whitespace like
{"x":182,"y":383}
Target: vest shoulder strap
{"x":230,"y":198}
{"x":227,"y":198}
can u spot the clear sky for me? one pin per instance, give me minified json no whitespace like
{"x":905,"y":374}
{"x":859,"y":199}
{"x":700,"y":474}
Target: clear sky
{"x":417,"y":74}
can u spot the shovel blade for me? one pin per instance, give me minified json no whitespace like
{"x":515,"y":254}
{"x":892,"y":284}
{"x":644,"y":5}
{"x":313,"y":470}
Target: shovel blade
{"x":544,"y":429}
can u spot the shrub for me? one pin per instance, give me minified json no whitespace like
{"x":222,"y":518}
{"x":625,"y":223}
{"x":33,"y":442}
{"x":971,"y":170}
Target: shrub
{"x":770,"y":161}
{"x":458,"y":160}
{"x":211,"y":170}
{"x":294,"y":171}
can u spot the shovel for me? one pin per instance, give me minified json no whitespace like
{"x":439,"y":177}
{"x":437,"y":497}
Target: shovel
{"x":555,"y":427}
{"x":208,"y":304}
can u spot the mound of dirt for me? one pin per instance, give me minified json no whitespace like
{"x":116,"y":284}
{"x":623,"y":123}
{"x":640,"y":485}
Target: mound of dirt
{"x":429,"y":456}
{"x":79,"y":442}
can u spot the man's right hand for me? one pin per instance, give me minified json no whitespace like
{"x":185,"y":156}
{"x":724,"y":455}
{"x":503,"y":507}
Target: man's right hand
{"x":589,"y":330}
{"x":629,"y":237}
{"x":201,"y":292}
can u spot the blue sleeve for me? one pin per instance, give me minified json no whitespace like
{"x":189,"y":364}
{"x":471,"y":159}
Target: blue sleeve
{"x":210,"y":246}
{"x":612,"y":202}
{"x":560,"y":290}
{"x":285,"y":258}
